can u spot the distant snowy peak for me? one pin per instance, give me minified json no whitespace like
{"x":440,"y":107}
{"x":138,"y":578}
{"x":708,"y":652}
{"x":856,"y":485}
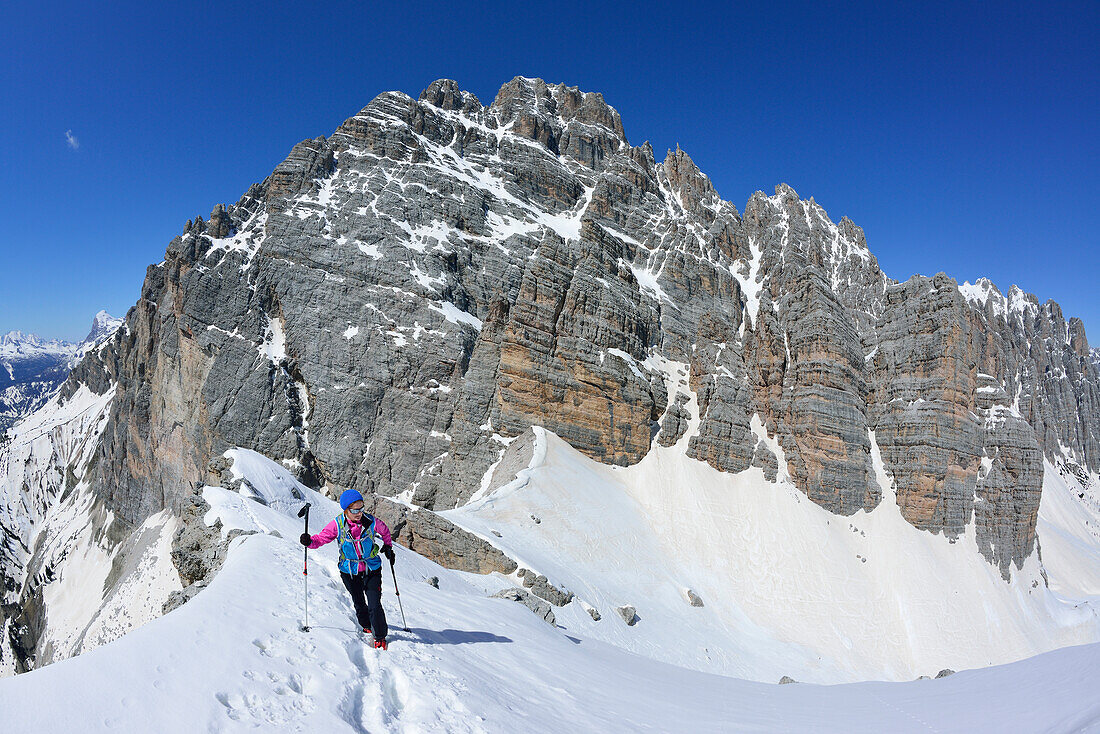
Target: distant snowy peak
{"x":19,"y":345}
{"x":985,"y":295}
{"x":32,"y":368}
{"x":103,"y":326}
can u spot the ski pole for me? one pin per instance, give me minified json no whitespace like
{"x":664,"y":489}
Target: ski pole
{"x":304,"y":512}
{"x":398,"y":592}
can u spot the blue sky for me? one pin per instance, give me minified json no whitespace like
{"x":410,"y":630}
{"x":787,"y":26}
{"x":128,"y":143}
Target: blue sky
{"x":963,"y":138}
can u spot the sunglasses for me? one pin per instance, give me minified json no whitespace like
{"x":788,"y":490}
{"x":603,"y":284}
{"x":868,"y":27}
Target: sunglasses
{"x":356,"y":512}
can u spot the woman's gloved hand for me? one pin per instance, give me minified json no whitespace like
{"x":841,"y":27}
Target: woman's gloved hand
{"x":387,"y":551}
{"x":305,"y":539}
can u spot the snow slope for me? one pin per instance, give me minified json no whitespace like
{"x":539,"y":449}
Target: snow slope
{"x":233,"y":659}
{"x":56,"y":538}
{"x":788,"y":588}
{"x":1069,"y":534}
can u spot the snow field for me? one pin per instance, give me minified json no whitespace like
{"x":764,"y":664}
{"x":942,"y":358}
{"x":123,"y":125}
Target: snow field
{"x":99,"y":595}
{"x":233,"y":659}
{"x":788,"y":588}
{"x":1069,"y":535}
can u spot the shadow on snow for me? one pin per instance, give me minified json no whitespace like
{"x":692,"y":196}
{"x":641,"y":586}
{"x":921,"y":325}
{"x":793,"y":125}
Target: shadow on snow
{"x":455,"y":637}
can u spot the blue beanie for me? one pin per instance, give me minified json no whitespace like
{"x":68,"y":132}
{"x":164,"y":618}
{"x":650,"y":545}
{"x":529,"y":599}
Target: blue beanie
{"x":348,"y":497}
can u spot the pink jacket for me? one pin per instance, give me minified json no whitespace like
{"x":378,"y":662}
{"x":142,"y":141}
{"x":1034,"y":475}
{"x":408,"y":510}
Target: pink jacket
{"x":332,"y":530}
{"x":329,"y":532}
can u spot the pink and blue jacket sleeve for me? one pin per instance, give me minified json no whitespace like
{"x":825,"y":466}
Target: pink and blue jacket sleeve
{"x":327,"y":535}
{"x":382,"y":529}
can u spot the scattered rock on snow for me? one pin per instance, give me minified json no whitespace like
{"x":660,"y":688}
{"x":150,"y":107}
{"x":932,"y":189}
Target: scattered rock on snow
{"x":432,"y":581}
{"x":692,"y":598}
{"x":234,"y":533}
{"x":532,"y":602}
{"x":628,"y":613}
{"x":439,"y":539}
{"x":786,"y":679}
{"x":538,"y":585}
{"x":945,"y":672}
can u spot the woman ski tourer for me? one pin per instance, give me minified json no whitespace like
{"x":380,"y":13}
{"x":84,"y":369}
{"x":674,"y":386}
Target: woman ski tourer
{"x":361,"y":537}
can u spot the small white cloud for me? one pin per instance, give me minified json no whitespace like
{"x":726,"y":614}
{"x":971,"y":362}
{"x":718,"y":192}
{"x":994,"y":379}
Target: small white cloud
{"x":71,"y":140}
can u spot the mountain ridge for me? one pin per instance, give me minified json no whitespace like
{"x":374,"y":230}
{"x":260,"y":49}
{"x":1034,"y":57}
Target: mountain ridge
{"x":589,"y":132}
{"x":42,"y":366}
{"x":397,"y":302}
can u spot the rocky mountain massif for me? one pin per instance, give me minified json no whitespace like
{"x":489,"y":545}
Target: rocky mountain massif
{"x":32,"y":368}
{"x":399,"y":300}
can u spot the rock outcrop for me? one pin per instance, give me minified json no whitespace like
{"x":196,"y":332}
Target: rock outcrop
{"x":529,"y":600}
{"x":438,"y":538}
{"x":542,"y":588}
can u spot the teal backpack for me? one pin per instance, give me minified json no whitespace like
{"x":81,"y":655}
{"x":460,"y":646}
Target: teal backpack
{"x":352,"y":549}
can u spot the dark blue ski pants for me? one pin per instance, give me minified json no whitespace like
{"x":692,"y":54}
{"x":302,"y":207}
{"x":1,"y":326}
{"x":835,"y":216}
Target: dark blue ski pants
{"x":366,"y":595}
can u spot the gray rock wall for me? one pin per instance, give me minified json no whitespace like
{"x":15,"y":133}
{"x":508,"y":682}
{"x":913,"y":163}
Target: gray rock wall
{"x":399,"y":299}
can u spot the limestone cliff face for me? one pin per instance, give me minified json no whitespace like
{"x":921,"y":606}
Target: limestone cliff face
{"x":398,"y":300}
{"x":924,"y":402}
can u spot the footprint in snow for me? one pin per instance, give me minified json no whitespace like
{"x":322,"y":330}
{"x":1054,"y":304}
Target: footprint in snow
{"x":381,"y":703}
{"x":448,"y":691}
{"x":354,"y":649}
{"x":394,"y":690}
{"x":375,"y":698}
{"x":352,"y":706}
{"x":270,"y":699}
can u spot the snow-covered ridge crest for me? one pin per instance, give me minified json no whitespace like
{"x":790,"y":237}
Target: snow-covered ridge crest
{"x":234,"y":657}
{"x":18,"y":344}
{"x":984,"y":294}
